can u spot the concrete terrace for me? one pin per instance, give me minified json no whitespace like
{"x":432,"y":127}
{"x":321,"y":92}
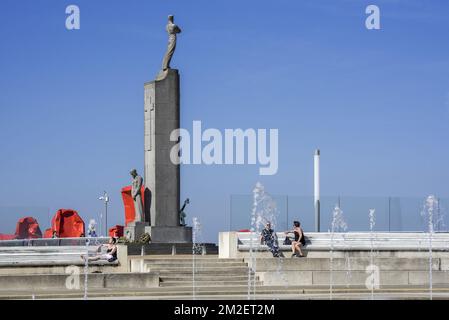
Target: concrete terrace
{"x":145,"y":273}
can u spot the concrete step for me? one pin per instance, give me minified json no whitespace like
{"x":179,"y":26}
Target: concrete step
{"x":201,"y":273}
{"x":189,"y":269}
{"x":354,"y":278}
{"x":350,"y":264}
{"x":181,"y":258}
{"x":205,"y":277}
{"x":214,"y":289}
{"x":214,"y":283}
{"x":94,"y":281}
{"x":197,"y":265}
{"x":197,"y":261}
{"x":214,"y":271}
{"x":59,"y":269}
{"x":54,"y":263}
{"x":233,"y":292}
{"x":184,"y":264}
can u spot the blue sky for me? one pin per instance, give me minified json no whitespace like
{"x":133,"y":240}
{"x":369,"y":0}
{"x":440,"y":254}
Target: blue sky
{"x":376,"y":102}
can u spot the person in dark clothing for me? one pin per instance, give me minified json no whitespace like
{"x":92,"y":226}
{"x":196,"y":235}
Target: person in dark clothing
{"x":268,"y":236}
{"x":299,"y":239}
{"x":110,"y":255}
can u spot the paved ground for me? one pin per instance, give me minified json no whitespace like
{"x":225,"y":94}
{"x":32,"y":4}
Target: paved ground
{"x":227,"y":279}
{"x":290,"y":294}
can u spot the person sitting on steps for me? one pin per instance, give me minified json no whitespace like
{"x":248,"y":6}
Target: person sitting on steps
{"x":110,"y":255}
{"x":299,"y":239}
{"x":268,"y":236}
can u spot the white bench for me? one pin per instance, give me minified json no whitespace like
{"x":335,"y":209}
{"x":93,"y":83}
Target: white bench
{"x":233,"y":242}
{"x":357,"y":241}
{"x":39,"y":256}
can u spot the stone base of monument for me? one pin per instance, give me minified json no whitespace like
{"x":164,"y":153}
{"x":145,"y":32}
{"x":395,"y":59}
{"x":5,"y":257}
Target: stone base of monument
{"x":134,"y":230}
{"x":162,"y":234}
{"x":159,"y":234}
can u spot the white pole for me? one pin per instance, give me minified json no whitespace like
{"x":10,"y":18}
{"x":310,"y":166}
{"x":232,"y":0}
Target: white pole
{"x":105,"y":199}
{"x":316,"y":176}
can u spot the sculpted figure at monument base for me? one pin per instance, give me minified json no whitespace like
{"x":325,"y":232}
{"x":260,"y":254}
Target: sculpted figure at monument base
{"x":135,"y":193}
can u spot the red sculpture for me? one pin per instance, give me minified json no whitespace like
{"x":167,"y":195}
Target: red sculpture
{"x":128,"y":202}
{"x":28,"y":228}
{"x":48,"y":233}
{"x":67,"y":224}
{"x":7,"y":236}
{"x":116,"y":231}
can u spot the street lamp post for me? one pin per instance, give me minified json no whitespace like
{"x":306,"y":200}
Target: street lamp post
{"x":105,"y":199}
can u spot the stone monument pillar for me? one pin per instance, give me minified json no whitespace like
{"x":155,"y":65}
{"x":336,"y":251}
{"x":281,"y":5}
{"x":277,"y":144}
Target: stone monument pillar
{"x":162,"y":177}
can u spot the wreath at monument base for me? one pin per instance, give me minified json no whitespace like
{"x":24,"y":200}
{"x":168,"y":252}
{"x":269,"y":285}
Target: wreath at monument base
{"x":145,"y":238}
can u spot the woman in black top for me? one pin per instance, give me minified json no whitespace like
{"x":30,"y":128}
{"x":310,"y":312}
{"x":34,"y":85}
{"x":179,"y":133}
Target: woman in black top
{"x":110,"y":255}
{"x":299,"y":239}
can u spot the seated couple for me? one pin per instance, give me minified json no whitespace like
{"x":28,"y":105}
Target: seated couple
{"x":109,"y":256}
{"x":269,"y":237}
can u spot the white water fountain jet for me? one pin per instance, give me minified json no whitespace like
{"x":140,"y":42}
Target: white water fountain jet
{"x":431,"y":213}
{"x":280,"y":271}
{"x":372,"y":223}
{"x":338,"y":225}
{"x":264,"y":210}
{"x":86,"y":268}
{"x":348,"y":268}
{"x":280,"y":267}
{"x":196,"y":249}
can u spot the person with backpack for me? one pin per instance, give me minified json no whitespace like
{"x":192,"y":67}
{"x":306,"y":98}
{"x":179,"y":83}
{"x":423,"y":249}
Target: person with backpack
{"x":299,"y":239}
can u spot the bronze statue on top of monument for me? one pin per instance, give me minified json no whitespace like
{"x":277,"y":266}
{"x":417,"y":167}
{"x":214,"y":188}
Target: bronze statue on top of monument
{"x":172,"y":30}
